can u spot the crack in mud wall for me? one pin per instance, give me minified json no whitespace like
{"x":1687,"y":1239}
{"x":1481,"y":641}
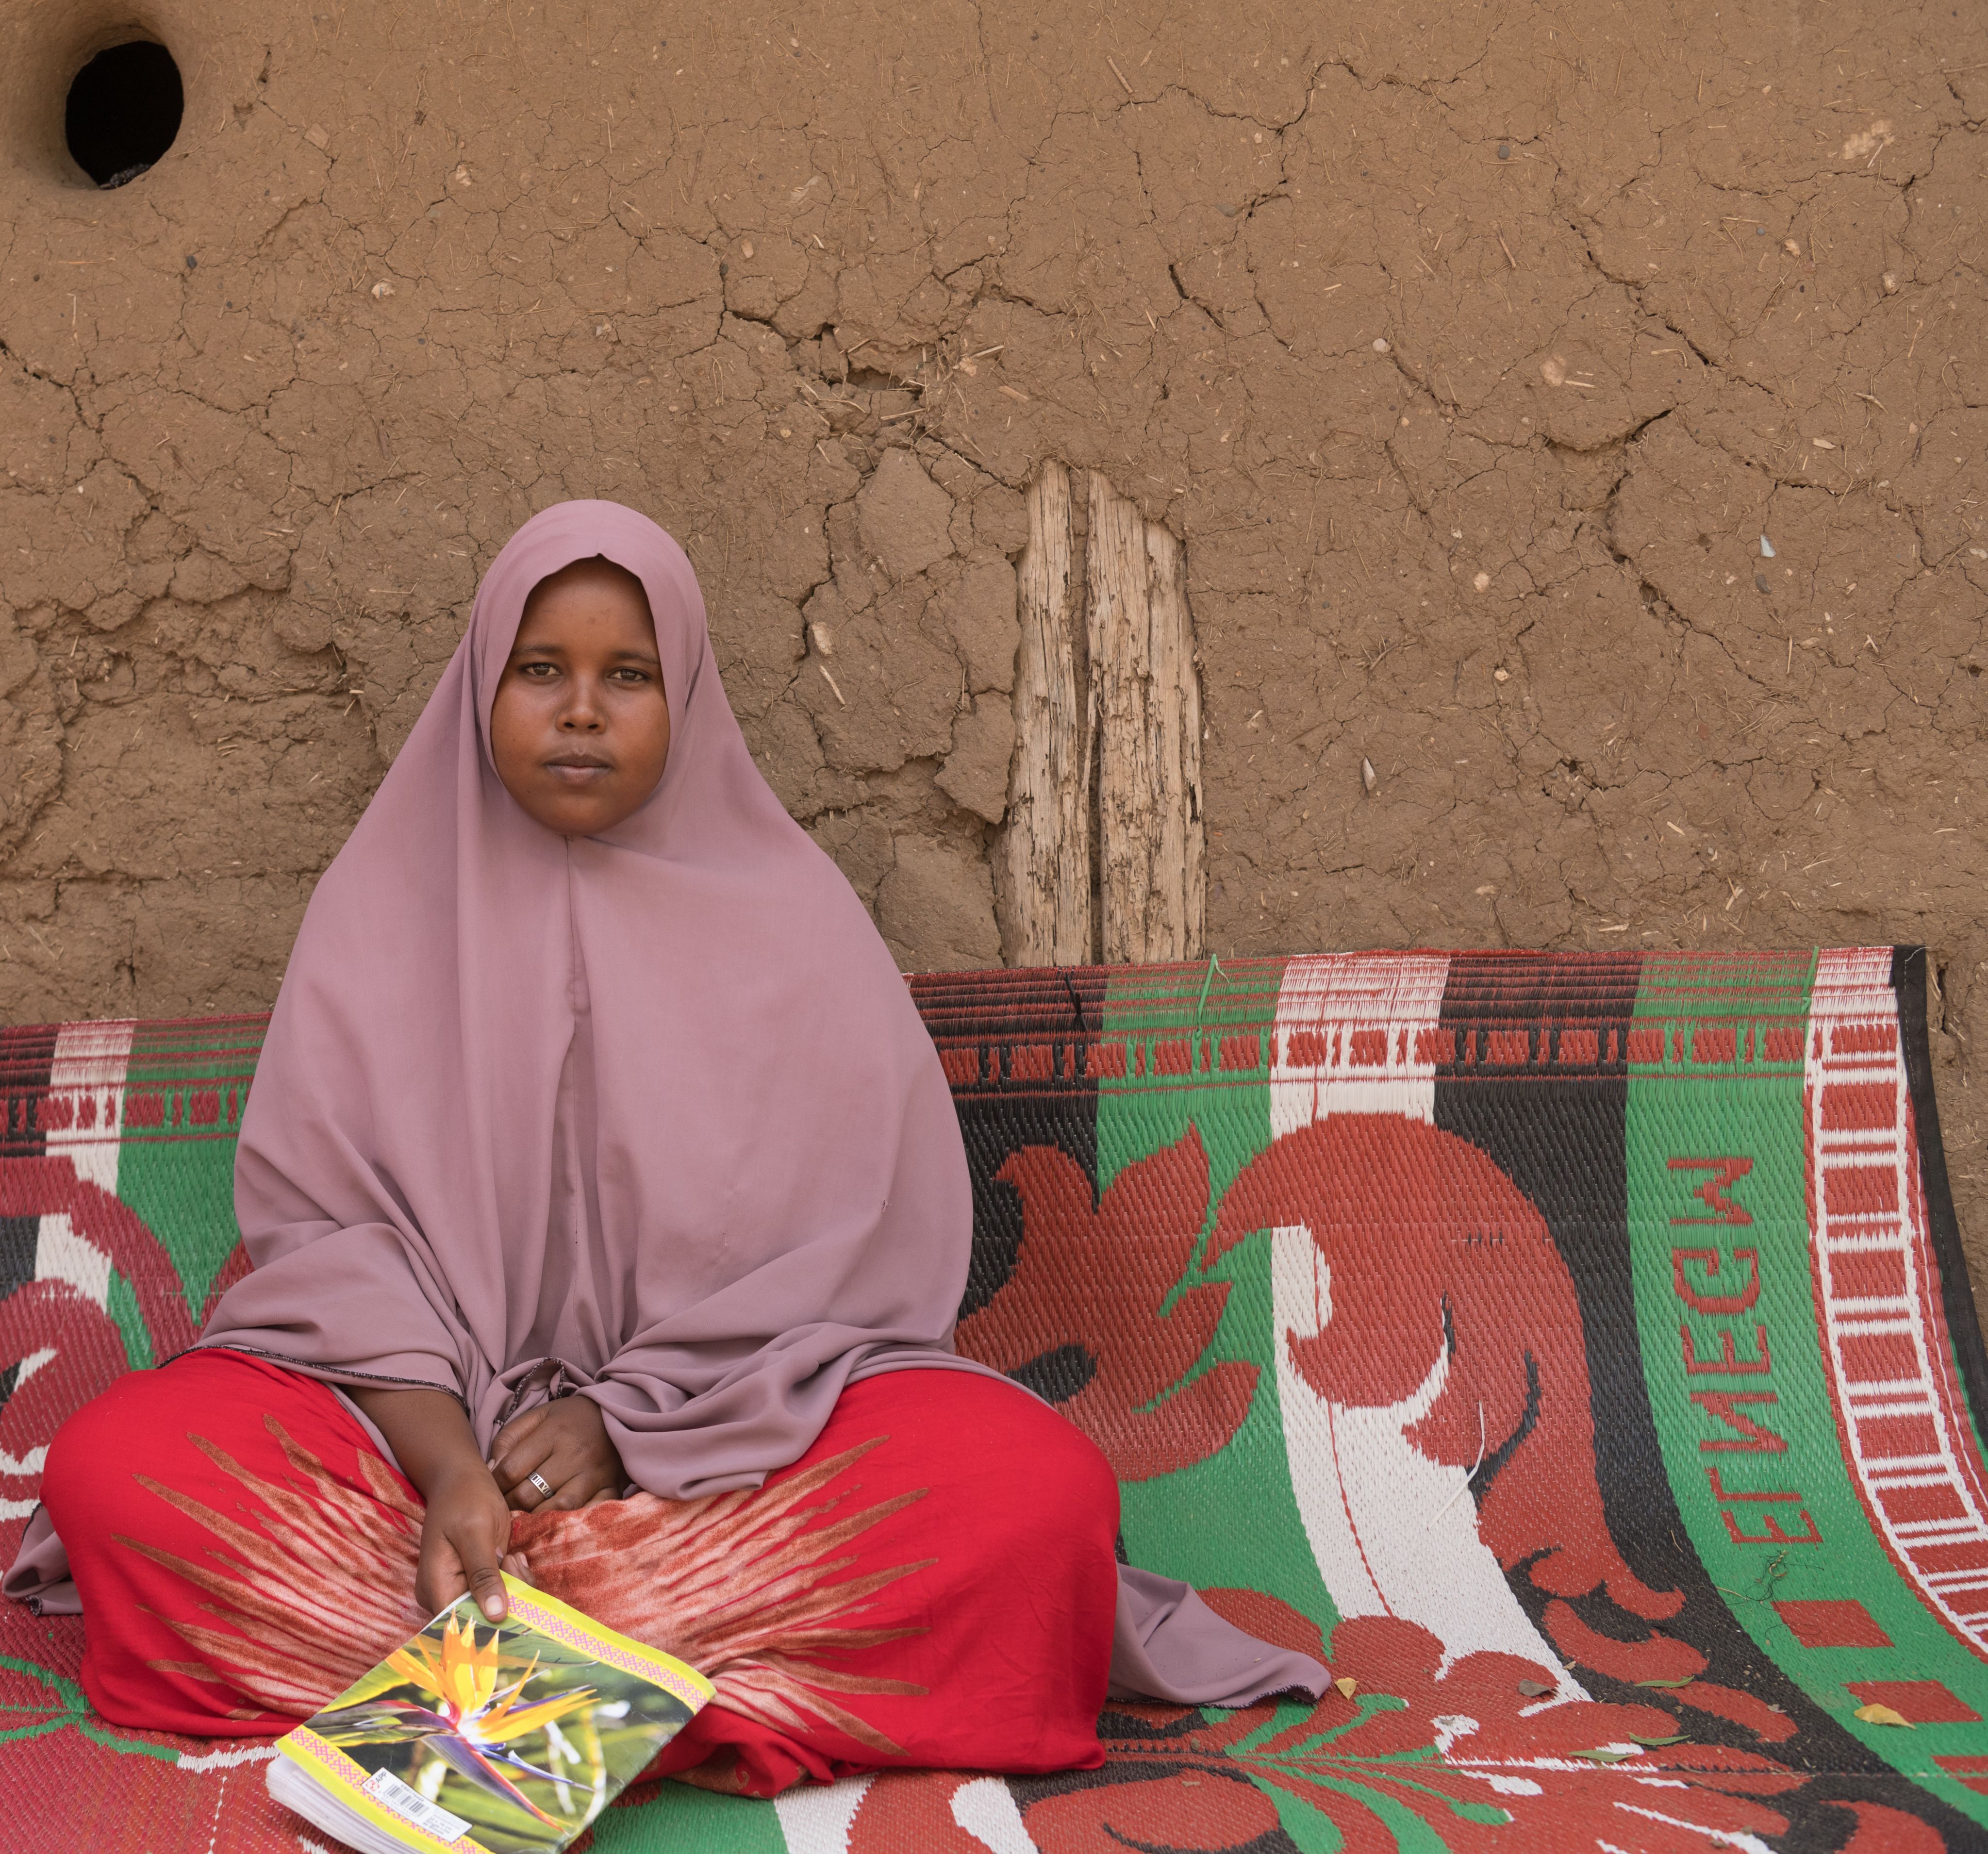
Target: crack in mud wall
{"x":1471,"y":353}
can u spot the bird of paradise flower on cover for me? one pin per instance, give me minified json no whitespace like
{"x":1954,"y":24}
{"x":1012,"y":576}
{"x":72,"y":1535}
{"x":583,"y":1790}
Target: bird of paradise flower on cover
{"x":471,"y":1725}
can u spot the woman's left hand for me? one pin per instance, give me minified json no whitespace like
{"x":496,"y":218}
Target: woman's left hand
{"x":565,"y":1444}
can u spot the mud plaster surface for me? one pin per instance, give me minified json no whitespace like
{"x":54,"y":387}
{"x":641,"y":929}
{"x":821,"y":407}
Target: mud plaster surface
{"x":1471,"y":349}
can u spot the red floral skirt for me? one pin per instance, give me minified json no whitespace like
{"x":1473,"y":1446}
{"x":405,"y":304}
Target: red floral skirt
{"x":931,"y":1585}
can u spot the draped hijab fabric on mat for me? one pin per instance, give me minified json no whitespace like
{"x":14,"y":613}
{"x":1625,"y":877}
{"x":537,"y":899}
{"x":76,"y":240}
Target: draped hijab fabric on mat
{"x":686,"y":1031}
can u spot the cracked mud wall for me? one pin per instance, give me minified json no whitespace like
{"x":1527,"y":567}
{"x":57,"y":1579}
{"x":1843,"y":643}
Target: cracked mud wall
{"x":1470,"y":350}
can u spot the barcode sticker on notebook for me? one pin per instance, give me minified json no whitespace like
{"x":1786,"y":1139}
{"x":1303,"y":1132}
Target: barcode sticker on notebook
{"x":384,"y":1786}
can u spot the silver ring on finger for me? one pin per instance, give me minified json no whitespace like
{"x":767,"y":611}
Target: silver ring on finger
{"x":544,"y":1486}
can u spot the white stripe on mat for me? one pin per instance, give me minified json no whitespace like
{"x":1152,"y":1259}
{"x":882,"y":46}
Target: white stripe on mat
{"x":818,"y":1818}
{"x":986,"y":1809}
{"x":1349,"y":1037}
{"x":88,"y":1074}
{"x":1393,"y":1533}
{"x":815,"y":1818}
{"x":87,"y":1093}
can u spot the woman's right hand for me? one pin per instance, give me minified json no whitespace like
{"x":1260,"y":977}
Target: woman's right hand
{"x":466,"y":1536}
{"x":465,"y":1541}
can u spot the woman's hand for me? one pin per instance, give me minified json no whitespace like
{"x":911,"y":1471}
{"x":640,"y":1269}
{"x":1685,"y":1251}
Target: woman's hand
{"x":465,"y":1539}
{"x":565,"y":1444}
{"x":466,"y":1534}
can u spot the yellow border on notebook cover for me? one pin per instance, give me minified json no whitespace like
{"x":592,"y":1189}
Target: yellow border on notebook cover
{"x":564,"y":1623}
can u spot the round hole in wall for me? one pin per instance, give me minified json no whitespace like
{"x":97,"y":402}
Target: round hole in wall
{"x":124,"y":110}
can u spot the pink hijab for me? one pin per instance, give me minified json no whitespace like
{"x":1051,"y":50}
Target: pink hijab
{"x":781,"y":1185}
{"x":781,"y":1190}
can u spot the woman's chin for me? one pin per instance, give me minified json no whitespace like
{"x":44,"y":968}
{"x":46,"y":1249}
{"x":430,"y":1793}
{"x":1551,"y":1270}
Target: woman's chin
{"x":575,"y":815}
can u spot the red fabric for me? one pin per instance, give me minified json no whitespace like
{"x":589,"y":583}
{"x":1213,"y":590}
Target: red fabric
{"x":932,"y":1584}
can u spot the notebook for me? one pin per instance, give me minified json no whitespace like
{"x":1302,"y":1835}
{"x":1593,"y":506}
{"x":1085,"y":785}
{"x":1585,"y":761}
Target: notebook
{"x":487,"y":1737}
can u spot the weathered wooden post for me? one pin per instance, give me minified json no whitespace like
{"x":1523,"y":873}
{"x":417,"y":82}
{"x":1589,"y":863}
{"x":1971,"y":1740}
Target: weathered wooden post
{"x":1047,"y":889}
{"x":1121,"y":716}
{"x":1146,"y":689}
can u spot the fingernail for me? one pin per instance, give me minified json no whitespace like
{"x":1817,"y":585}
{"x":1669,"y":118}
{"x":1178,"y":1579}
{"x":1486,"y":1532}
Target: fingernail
{"x":493,"y":1609}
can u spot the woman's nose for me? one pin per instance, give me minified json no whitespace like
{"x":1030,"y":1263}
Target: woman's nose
{"x":582,"y":712}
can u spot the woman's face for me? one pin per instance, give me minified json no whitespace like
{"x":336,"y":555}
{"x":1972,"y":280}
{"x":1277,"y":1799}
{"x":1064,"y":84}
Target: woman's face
{"x":580,"y":730}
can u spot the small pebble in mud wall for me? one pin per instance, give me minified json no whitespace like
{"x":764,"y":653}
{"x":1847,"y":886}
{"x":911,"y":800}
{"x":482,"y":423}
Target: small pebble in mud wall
{"x":1445,"y":371}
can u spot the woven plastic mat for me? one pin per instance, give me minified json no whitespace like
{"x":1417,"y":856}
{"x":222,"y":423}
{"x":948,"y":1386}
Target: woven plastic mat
{"x":1574,"y":1350}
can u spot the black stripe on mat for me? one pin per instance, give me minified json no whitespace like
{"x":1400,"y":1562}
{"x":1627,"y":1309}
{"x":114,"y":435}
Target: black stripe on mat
{"x":1015,"y":1047}
{"x":27,"y":1059}
{"x":1963,"y":1318}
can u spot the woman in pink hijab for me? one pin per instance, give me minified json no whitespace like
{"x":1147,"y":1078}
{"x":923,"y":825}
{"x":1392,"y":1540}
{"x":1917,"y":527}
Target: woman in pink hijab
{"x":609,"y":1216}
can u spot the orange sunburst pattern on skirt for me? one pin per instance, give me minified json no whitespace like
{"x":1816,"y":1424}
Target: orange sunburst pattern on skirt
{"x":245,"y":1554}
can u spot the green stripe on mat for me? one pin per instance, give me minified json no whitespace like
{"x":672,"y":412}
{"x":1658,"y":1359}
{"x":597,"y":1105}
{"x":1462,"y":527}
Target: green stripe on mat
{"x":175,"y":1164}
{"x":1230,"y":1520}
{"x":1693,"y":1100}
{"x":684,"y":1821}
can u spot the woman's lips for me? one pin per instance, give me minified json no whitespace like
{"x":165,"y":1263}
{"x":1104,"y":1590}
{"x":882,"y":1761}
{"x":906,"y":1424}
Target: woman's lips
{"x":578,"y":773}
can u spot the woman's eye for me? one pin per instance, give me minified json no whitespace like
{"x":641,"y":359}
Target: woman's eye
{"x":631,"y":675}
{"x":537,"y":671}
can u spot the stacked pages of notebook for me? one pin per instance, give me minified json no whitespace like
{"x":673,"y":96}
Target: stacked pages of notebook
{"x":487,"y":1737}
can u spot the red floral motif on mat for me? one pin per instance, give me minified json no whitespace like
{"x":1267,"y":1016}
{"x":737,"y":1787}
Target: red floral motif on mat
{"x":1092,"y":1280}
